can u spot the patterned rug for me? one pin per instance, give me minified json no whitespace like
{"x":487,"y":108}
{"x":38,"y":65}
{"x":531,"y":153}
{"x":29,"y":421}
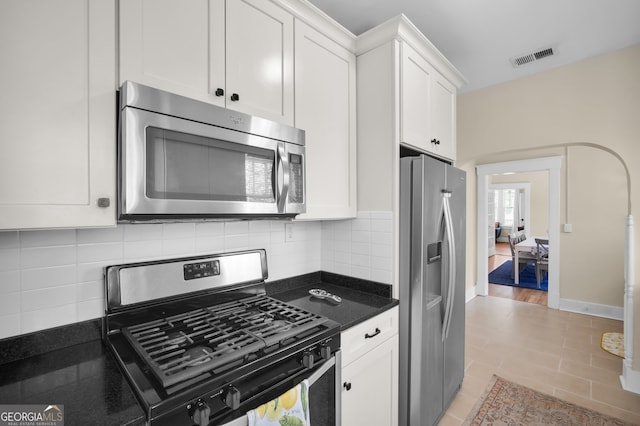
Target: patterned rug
{"x":506,"y":403}
{"x":613,"y":343}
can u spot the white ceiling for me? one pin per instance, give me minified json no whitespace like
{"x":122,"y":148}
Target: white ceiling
{"x":480,"y":36}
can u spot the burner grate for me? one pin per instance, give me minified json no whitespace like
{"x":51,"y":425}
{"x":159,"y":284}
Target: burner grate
{"x":180,"y":347}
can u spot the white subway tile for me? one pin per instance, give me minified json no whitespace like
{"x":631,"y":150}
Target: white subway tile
{"x":40,"y":278}
{"x":277,"y":237}
{"x":211,"y":244}
{"x":277,"y":225}
{"x":93,"y":271}
{"x":9,"y":281}
{"x":382,"y":263}
{"x":98,"y":252}
{"x":360,"y":272}
{"x":382,"y":215}
{"x":259,"y":226}
{"x":142,"y":232}
{"x":236,"y":228}
{"x":342,"y":246}
{"x":361,"y":236}
{"x":361,"y":248}
{"x":9,"y":259}
{"x":181,"y":247}
{"x":101,"y":235}
{"x":48,"y":318}
{"x":209,"y":228}
{"x":381,"y":250}
{"x":363,"y":215}
{"x":41,"y":257}
{"x":360,"y":260}
{"x":90,"y":309}
{"x":35,"y":300}
{"x":178,"y":231}
{"x":9,"y":325}
{"x":382,"y":238}
{"x":236,"y":242}
{"x":9,"y":239}
{"x":342,"y":269}
{"x":90,"y":290}
{"x":47,"y":238}
{"x":381,"y":225}
{"x":10,"y":304}
{"x":361,"y":224}
{"x":259,"y":240}
{"x":138,"y":250}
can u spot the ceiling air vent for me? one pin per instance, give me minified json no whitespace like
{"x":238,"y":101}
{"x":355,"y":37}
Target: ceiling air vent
{"x":521,"y":60}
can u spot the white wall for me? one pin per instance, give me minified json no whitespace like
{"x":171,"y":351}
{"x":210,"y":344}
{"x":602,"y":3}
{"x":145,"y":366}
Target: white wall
{"x":55,"y":277}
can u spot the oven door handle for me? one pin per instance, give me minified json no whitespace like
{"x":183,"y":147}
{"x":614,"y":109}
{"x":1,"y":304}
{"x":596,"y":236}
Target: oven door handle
{"x":322,"y":370}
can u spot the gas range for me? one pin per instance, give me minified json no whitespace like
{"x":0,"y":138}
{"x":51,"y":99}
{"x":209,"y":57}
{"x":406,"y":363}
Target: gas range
{"x":201,"y":343}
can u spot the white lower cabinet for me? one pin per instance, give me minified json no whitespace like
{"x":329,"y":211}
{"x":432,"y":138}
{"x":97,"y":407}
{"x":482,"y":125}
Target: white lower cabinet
{"x":370,"y":372}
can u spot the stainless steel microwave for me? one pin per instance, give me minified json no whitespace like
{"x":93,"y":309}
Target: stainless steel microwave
{"x":182,"y":159}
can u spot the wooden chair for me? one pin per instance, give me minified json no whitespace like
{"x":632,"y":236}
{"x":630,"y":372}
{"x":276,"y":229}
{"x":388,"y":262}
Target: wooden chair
{"x":542,"y":258}
{"x":524,"y":258}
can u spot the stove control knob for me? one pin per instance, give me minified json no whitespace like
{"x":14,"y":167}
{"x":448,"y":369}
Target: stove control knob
{"x":308,"y":359}
{"x":231,"y":398}
{"x":325,"y":351}
{"x":201,"y":413}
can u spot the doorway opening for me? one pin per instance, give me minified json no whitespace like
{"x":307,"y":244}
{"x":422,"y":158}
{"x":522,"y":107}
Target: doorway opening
{"x":552,"y":166}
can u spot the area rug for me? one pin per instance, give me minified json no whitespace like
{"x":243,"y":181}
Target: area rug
{"x":502,"y":275}
{"x":507,"y":403}
{"x":613,"y":343}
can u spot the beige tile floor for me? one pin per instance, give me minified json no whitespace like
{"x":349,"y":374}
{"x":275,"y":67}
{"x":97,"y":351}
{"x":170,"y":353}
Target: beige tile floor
{"x":545,"y":349}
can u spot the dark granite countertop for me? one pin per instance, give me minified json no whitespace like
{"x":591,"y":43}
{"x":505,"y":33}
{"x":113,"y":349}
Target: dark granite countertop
{"x":70,"y":365}
{"x":83,"y":377}
{"x":361,"y":299}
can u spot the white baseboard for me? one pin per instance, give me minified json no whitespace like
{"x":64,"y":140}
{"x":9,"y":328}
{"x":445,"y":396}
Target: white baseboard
{"x":630,"y":379}
{"x":595,"y":309}
{"x":470,"y":294}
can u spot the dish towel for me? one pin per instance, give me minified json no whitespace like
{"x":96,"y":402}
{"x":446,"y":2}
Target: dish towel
{"x":289,"y":409}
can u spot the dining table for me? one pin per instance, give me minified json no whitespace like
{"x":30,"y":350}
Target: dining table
{"x":529,"y":246}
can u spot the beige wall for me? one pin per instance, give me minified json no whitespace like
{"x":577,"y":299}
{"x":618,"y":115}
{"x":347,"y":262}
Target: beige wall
{"x":595,"y":101}
{"x":539,"y":182}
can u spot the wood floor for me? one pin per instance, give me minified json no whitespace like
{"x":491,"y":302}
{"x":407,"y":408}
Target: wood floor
{"x":551,"y":351}
{"x":503,"y":253}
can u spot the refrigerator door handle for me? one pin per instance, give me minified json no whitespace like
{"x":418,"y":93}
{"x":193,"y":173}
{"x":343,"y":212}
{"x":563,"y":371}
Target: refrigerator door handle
{"x":446,"y":195}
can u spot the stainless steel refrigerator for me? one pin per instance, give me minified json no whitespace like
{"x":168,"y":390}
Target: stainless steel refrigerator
{"x":431,"y":287}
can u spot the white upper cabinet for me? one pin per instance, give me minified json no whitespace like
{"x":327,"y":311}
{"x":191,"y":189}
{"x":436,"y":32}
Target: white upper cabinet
{"x":442,"y":139}
{"x":427,"y":111}
{"x":237,"y":54}
{"x":58,"y":129}
{"x":415,"y":96}
{"x":325,"y":101}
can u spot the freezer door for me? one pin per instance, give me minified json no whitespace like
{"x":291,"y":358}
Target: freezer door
{"x":454,"y":344}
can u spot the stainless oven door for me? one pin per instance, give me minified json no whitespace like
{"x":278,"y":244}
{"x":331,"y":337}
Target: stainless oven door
{"x":173,"y":166}
{"x":324,"y":395}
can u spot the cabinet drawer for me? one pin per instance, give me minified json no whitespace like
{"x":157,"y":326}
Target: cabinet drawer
{"x":360,"y":339}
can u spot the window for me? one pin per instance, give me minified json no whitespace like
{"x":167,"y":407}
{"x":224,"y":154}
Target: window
{"x":505,"y":206}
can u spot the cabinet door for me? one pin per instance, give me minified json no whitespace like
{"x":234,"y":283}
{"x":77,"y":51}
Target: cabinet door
{"x":415,"y":93}
{"x":325,"y":109}
{"x":57,"y":131}
{"x":259,"y":59}
{"x":443,"y":117}
{"x":370,"y":387}
{"x":174,"y":45}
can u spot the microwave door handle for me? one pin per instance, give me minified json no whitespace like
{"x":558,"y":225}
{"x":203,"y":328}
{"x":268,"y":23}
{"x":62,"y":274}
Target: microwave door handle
{"x":283,"y":164}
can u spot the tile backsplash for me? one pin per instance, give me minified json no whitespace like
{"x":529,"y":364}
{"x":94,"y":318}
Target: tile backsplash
{"x":55,"y":277}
